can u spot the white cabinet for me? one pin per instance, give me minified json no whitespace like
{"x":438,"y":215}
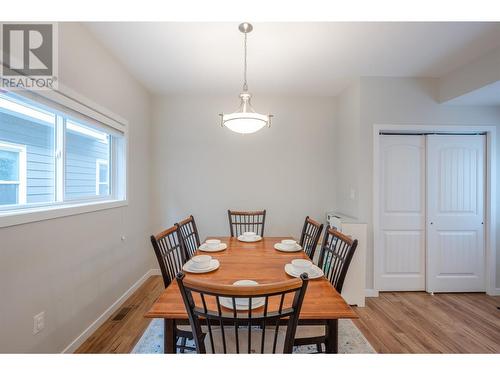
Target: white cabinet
{"x":353,"y":290}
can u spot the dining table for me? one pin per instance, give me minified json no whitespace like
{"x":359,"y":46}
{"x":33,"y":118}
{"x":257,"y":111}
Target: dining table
{"x":259,"y":261}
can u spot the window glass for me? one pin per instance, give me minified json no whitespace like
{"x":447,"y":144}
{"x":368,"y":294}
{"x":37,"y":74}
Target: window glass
{"x":9,"y":165}
{"x":86,"y":148}
{"x":9,"y":194}
{"x":102,"y":177}
{"x":33,"y":130}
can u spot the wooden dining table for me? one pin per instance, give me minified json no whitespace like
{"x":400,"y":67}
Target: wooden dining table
{"x":257,"y":261}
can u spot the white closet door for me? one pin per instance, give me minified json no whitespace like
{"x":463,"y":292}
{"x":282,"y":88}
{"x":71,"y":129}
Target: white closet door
{"x":455,"y":213}
{"x":402,"y":213}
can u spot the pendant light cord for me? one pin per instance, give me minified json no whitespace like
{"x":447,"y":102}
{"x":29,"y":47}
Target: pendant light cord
{"x":245,"y":85}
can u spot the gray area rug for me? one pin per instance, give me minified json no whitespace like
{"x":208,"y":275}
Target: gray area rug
{"x":351,"y":340}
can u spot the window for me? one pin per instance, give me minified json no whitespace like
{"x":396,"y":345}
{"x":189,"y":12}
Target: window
{"x":51,"y":154}
{"x":86,"y":148}
{"x":102,"y":177}
{"x":12,"y":174}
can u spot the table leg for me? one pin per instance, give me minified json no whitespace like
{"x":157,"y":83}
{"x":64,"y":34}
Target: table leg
{"x":169,"y":339}
{"x":332,"y":341}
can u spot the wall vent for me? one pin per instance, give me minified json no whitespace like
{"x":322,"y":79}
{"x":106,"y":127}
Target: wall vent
{"x":122,"y":313}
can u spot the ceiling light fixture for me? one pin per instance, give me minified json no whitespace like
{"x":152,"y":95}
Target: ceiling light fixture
{"x":245,"y":120}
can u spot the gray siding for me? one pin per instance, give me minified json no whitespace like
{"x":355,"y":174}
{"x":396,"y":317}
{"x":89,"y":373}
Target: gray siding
{"x":39,"y":141}
{"x":82,"y":152}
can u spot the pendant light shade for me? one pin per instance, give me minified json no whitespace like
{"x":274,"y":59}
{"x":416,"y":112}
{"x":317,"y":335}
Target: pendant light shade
{"x":245,"y":120}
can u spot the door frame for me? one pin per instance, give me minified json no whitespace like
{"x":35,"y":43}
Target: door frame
{"x":490,"y":193}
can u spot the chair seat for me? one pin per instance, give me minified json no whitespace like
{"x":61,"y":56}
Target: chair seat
{"x":256,"y":337}
{"x":303,"y":332}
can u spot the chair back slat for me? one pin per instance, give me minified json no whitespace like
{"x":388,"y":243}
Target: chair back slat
{"x":189,"y":236}
{"x":169,"y":253}
{"x":311,"y":232}
{"x":337,"y":251}
{"x":236,"y":331}
{"x":246,"y":221}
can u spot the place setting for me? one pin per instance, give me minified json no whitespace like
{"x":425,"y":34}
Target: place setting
{"x":249,"y":237}
{"x":201,"y":264}
{"x":242,"y":303}
{"x":288,"y":246}
{"x":212,"y":246}
{"x":298,"y":266}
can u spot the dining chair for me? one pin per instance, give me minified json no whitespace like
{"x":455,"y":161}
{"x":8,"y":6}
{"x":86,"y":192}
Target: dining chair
{"x":246,"y":221}
{"x":309,"y":238}
{"x":171,"y":256}
{"x":267,"y":329}
{"x":335,"y":257}
{"x":189,"y":236}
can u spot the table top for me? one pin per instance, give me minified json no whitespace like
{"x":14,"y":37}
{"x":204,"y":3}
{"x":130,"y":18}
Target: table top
{"x":257,"y":261}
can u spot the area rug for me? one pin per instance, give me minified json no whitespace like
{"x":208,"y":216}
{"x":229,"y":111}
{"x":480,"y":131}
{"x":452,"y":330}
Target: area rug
{"x":351,"y":340}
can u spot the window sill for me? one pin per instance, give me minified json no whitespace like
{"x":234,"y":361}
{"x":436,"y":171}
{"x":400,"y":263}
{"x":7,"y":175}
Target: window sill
{"x":30,"y":215}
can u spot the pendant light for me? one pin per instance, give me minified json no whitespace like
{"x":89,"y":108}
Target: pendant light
{"x":245,"y":120}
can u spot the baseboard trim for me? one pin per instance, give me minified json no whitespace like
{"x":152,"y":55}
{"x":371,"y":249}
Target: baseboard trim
{"x":494,"y":292}
{"x":109,"y":311}
{"x":371,"y":293}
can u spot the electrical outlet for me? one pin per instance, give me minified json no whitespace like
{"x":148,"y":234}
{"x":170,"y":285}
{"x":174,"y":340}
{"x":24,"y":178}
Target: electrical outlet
{"x":38,"y":322}
{"x":352,"y":194}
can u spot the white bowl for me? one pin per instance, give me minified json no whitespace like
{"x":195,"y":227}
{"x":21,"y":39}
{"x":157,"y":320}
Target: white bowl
{"x":249,"y":234}
{"x":302,"y":265}
{"x":213,"y":244}
{"x":201,"y":261}
{"x":288,"y":244}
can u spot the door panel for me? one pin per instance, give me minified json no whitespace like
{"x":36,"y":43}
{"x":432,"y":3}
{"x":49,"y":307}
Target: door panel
{"x":402,"y":217}
{"x":455,"y":213}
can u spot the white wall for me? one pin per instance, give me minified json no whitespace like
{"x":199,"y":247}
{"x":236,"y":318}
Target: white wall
{"x":203,"y":169}
{"x":347,"y":153}
{"x":74,"y":267}
{"x":403,"y":101}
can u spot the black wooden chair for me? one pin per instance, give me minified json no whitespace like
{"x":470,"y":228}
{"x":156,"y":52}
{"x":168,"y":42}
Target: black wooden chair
{"x":336,"y":254}
{"x":246,"y":221}
{"x":171,"y":257}
{"x":267,"y":329}
{"x":309,"y":238}
{"x":189,"y":236}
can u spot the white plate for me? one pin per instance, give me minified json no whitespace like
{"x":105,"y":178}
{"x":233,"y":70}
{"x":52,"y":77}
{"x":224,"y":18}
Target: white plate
{"x":246,"y":239}
{"x":204,"y":247}
{"x":242,"y":303}
{"x":279,"y":246}
{"x":256,"y":303}
{"x":188,"y":267}
{"x":314,"y":273}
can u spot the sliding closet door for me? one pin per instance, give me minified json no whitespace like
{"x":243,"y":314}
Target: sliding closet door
{"x":455,"y":213}
{"x":402,"y":216}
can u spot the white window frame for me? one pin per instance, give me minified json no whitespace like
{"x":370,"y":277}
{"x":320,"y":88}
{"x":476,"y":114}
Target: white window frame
{"x":21,"y":150}
{"x":118,"y":176}
{"x":98,"y":182}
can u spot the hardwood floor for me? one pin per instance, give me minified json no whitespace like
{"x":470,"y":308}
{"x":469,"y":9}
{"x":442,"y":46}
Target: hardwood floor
{"x":120,"y":335}
{"x":417,"y":322}
{"x":402,"y":322}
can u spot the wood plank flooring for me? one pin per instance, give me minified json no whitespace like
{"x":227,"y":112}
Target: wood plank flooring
{"x":120,"y":336}
{"x":402,"y":322}
{"x":417,"y":322}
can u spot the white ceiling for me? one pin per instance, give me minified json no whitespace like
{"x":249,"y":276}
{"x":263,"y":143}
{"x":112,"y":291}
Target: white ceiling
{"x":291,"y":58}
